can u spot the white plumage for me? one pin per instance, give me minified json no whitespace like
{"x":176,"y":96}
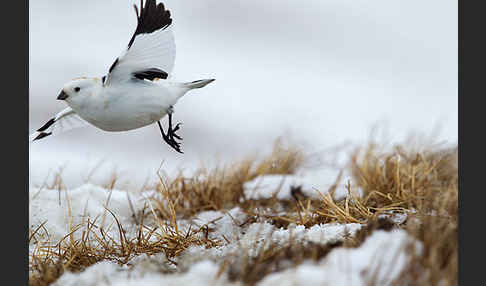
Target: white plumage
{"x":135,"y":92}
{"x":147,"y":51}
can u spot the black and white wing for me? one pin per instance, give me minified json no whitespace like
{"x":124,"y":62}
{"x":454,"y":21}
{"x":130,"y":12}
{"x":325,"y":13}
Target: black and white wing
{"x":65,"y":120}
{"x":151,"y":51}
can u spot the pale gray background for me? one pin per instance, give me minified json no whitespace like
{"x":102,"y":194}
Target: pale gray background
{"x":320,"y":71}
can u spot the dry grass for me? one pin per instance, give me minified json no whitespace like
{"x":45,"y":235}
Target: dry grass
{"x":49,"y":262}
{"x":207,"y":190}
{"x":412,"y":179}
{"x":274,"y":257}
{"x":437,"y":264}
{"x":221,"y":188}
{"x":421,"y":183}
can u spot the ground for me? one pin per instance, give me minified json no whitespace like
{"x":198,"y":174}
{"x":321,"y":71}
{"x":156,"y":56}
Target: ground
{"x":388,"y":218}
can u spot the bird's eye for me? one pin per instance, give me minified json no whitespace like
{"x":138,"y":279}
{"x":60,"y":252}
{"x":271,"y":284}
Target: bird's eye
{"x":76,"y":89}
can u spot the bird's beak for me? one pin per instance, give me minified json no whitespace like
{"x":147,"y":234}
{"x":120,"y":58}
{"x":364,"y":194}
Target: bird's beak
{"x":62,"y":95}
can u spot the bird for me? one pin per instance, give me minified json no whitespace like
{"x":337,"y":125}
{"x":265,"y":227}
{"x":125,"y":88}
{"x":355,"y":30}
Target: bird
{"x":136,"y":91}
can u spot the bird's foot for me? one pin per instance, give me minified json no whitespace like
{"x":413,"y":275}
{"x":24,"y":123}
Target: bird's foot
{"x":172,"y":132}
{"x":172,"y":142}
{"x":169,"y":137}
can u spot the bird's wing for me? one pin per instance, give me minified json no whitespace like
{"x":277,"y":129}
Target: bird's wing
{"x":151,"y":51}
{"x":65,"y":120}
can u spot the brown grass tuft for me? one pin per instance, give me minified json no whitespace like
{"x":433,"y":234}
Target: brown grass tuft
{"x":423,"y":184}
{"x":49,"y":262}
{"x":273,"y":258}
{"x":411,"y":179}
{"x":222,"y":188}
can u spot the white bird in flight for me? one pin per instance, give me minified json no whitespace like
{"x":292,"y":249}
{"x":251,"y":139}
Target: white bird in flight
{"x":136,"y":91}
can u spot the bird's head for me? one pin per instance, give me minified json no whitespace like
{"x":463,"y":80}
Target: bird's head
{"x":78,"y":90}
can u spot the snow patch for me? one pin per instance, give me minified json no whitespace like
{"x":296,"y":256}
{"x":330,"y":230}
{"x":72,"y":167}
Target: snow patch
{"x":311,"y":184}
{"x":108,"y":273}
{"x":60,"y":209}
{"x":382,"y":254}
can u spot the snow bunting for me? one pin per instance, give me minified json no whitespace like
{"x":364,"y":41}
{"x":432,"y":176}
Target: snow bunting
{"x":136,"y":91}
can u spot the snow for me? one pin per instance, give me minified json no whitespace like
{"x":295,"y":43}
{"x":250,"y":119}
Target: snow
{"x":61,"y":208}
{"x":107,"y":273}
{"x":382,"y":254}
{"x":320,"y":234}
{"x":264,"y":187}
{"x":312,"y":184}
{"x":67,"y":208}
{"x":198,"y":265}
{"x":224,"y":223}
{"x":382,"y":251}
{"x":397,"y":218}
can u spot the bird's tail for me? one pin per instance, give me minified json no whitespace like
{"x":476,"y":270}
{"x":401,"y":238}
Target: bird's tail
{"x":198,"y":83}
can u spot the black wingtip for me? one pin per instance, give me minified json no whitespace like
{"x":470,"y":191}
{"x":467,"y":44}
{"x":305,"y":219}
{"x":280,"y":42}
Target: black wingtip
{"x":47,"y":125}
{"x":136,"y":10}
{"x":113,"y":65}
{"x":42,"y":135}
{"x":151,"y":17}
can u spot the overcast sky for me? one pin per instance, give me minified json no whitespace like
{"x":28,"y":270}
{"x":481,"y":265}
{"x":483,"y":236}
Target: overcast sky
{"x":320,"y":71}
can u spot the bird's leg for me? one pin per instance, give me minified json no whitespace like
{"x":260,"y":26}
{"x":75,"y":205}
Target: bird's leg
{"x":169,"y":140}
{"x":165,"y":137}
{"x":172,"y":132}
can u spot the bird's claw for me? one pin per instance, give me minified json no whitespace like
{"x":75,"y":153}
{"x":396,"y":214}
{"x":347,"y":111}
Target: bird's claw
{"x":172,"y":132}
{"x":177,"y":127}
{"x":169,"y":137}
{"x":173,"y":143}
{"x":176,"y":145}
